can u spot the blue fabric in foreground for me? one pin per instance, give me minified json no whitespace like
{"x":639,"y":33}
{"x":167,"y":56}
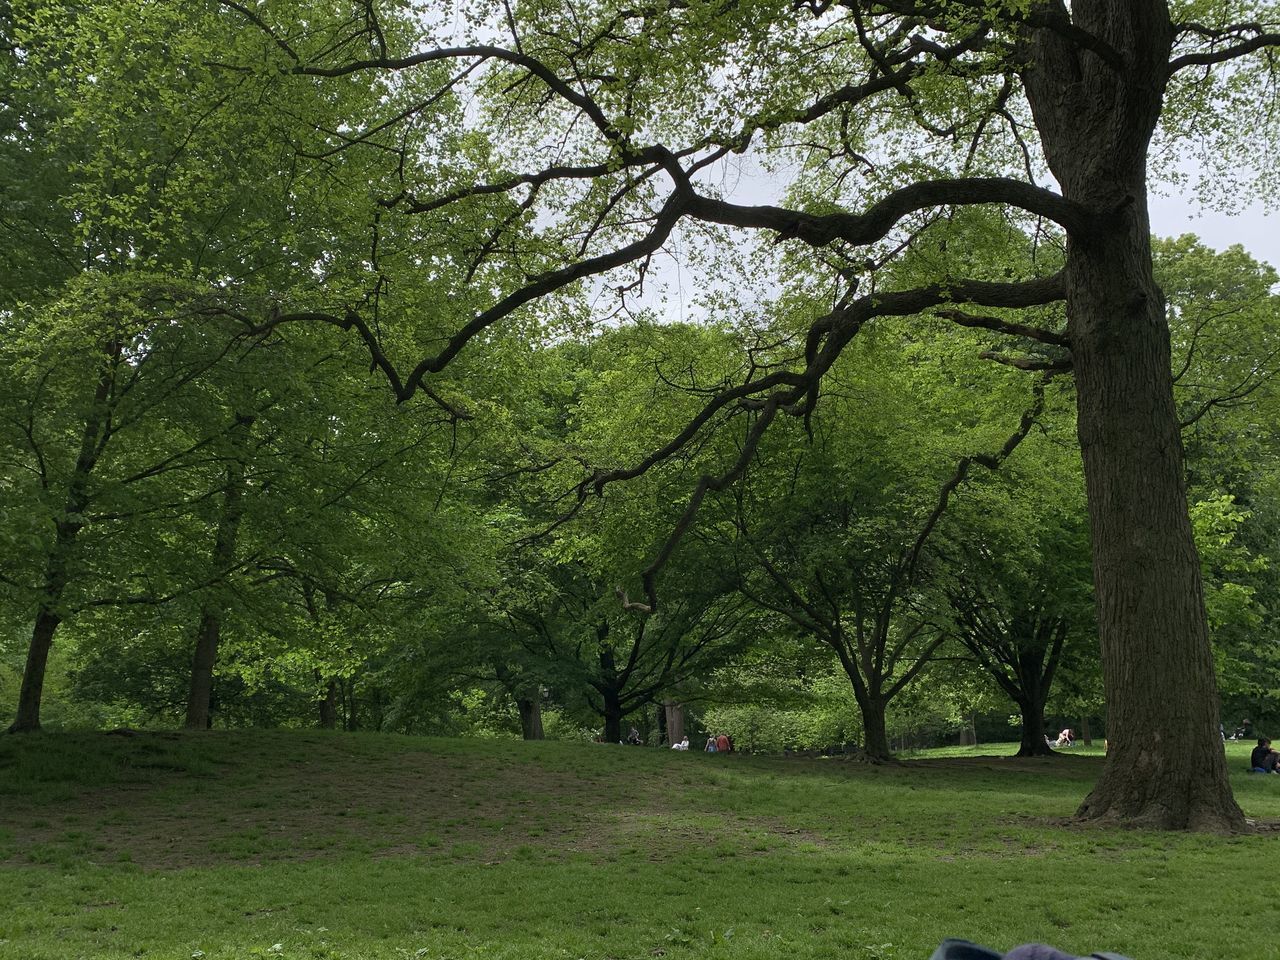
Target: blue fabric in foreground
{"x":964,"y":950}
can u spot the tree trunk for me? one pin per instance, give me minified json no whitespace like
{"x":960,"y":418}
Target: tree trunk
{"x":675,"y":721}
{"x":875,"y":740}
{"x":350,"y":720}
{"x":612,"y":717}
{"x":1166,"y":767}
{"x":211,"y":612}
{"x":48,"y":617}
{"x":200,"y":689}
{"x":1086,"y":734}
{"x":531,"y":717}
{"x":1033,"y":736}
{"x":68,"y":526}
{"x":329,"y":707}
{"x":27,"y":719}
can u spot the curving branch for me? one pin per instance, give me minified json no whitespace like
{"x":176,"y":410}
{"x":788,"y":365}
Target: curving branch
{"x":786,"y":391}
{"x":1027,"y":363}
{"x":481,"y":52}
{"x":1004,"y":326}
{"x":1244,"y":44}
{"x":878,"y":219}
{"x":991,"y":461}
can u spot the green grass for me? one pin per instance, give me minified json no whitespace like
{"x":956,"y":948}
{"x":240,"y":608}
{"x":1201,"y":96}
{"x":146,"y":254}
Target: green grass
{"x":311,"y":845}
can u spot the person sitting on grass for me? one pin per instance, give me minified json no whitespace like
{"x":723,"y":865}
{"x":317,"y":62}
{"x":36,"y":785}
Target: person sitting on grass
{"x":1263,"y":759}
{"x":1064,"y":738}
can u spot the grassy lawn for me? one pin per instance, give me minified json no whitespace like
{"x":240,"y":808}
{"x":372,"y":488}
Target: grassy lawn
{"x":312,"y":845}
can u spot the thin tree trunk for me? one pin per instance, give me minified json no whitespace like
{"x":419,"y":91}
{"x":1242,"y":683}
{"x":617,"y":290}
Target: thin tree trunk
{"x":1086,"y":734}
{"x":209,"y":630}
{"x":531,"y":717}
{"x":350,"y":720}
{"x":27,"y":719}
{"x":49,"y":616}
{"x":329,"y":707}
{"x":200,"y":689}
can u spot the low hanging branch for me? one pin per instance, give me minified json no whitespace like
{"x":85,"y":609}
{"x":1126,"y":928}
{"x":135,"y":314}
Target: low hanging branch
{"x":793,"y":392}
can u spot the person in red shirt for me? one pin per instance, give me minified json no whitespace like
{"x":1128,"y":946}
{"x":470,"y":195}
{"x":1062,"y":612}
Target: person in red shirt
{"x":722,"y":743}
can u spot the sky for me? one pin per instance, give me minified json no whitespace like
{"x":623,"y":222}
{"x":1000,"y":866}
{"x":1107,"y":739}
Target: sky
{"x":1254,"y":228}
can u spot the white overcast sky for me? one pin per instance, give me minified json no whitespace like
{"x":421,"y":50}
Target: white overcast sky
{"x":1254,"y":228}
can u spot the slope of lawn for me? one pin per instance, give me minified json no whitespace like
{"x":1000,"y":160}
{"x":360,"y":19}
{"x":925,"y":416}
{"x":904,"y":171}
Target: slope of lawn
{"x":342,"y":846}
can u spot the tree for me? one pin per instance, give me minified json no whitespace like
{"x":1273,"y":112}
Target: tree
{"x":1017,"y":582}
{"x":850,"y":562}
{"x":174,"y":190}
{"x":924,"y":105}
{"x":557,"y":620}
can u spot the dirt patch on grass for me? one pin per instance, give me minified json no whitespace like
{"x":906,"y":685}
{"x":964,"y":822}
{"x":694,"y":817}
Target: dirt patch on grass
{"x":250,"y":800}
{"x":330,"y":801}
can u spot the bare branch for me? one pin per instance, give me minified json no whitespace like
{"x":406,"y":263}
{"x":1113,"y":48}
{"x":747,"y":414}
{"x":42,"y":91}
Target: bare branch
{"x":873,"y":224}
{"x":1004,"y":326}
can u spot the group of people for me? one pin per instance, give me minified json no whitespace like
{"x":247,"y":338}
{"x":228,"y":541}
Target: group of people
{"x":721,"y":743}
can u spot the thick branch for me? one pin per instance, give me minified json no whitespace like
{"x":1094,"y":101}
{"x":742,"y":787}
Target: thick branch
{"x":859,"y":229}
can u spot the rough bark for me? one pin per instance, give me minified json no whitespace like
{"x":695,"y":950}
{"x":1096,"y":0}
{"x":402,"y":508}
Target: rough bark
{"x":1166,"y":767}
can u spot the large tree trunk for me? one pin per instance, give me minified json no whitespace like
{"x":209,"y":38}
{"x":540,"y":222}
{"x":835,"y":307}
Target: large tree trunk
{"x":612,"y":717}
{"x":209,"y":630}
{"x":875,"y":739}
{"x":1035,"y":679}
{"x":675,"y":721}
{"x":1033,"y":742}
{"x":1166,"y":767}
